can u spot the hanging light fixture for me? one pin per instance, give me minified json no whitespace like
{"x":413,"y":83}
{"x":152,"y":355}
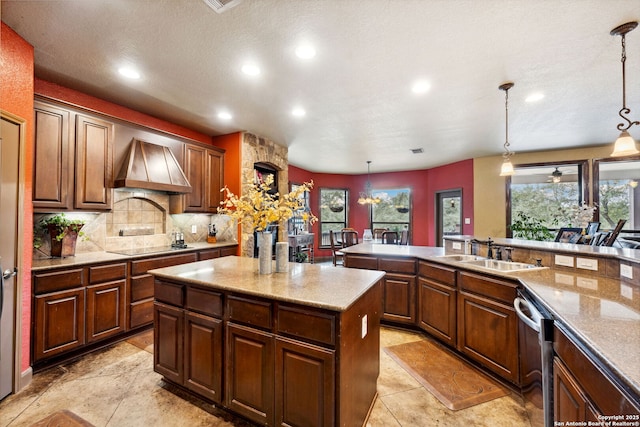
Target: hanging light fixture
{"x":366,"y":197}
{"x":625,"y":144}
{"x":507,"y":166}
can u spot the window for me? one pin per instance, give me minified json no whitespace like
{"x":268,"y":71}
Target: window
{"x":333,"y":212}
{"x":394,"y":210}
{"x":617,"y":195}
{"x":547,"y":193}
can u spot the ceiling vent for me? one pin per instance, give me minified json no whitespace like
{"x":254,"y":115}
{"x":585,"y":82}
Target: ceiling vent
{"x":417,"y":150}
{"x":221,"y":5}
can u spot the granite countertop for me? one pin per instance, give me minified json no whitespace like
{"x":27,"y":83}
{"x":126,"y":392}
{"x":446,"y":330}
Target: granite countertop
{"x":604,"y":313}
{"x":97,"y":257}
{"x":322,"y":286}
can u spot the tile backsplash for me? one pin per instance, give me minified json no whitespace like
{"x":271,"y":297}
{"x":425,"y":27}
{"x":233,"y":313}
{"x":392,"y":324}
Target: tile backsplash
{"x":139,"y":219}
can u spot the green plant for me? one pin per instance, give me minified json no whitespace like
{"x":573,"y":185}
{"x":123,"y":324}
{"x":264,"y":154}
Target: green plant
{"x":301,"y":256}
{"x":58,"y":226}
{"x":529,"y":228}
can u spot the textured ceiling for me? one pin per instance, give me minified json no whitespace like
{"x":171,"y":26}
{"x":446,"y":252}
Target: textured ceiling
{"x":357,"y":90}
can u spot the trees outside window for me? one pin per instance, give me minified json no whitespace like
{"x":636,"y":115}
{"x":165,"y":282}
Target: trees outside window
{"x":618,"y":192}
{"x":333,"y":212}
{"x":394,"y":210}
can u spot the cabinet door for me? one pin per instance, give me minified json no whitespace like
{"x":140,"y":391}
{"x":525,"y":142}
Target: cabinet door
{"x":203,"y":356}
{"x":94,"y":164}
{"x":250,"y":373}
{"x":488,"y":333}
{"x":105,"y":310}
{"x":59,"y":322}
{"x":53,"y":159}
{"x":399,"y":298}
{"x":437,"y":310}
{"x":195,"y":170}
{"x":305,"y":384}
{"x":214,"y":178}
{"x":168,"y":347}
{"x":569,"y":403}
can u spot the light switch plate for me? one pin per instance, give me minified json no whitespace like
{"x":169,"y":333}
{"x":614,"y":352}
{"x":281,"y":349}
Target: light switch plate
{"x":587,"y":263}
{"x":467,"y":220}
{"x":626,"y":271}
{"x":456,"y":245}
{"x":567,"y":261}
{"x":194,"y":229}
{"x":365,"y":318}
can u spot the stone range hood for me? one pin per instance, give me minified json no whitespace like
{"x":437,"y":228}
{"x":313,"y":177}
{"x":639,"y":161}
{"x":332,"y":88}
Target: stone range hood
{"x":151,"y":167}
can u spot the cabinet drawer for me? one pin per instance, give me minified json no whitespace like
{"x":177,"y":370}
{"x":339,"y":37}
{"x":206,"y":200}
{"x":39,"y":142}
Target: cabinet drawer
{"x":171,"y":293}
{"x":107,"y":273}
{"x":397,"y":265}
{"x":57,"y":281}
{"x":142,"y":266}
{"x":141,"y":287}
{"x":204,"y":301}
{"x":306,"y":324}
{"x":140,"y":313}
{"x":208,"y":254}
{"x":493,"y":288}
{"x":230,"y":251}
{"x":250,"y":312}
{"x":439,"y":273}
{"x":364,"y":262}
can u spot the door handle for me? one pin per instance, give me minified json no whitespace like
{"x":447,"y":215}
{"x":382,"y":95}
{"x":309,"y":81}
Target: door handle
{"x":7,"y":274}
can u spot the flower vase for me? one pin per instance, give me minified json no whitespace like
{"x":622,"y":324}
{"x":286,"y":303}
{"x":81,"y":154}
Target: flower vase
{"x":264,"y":252}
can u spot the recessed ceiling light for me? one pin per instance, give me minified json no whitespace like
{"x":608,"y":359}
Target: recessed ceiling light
{"x":129,"y":72}
{"x":250,"y":69}
{"x":305,"y":51}
{"x":224,"y":115}
{"x":534,"y":97}
{"x":420,"y":87}
{"x":298,"y":112}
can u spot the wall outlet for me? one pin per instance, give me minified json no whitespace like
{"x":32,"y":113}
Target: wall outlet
{"x":467,"y":220}
{"x":587,"y":263}
{"x":194,"y":229}
{"x":567,"y":261}
{"x":456,"y":245}
{"x":626,"y":271}
{"x":364,"y":326}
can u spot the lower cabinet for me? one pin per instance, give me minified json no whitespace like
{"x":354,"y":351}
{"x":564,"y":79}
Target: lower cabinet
{"x":399,"y":298}
{"x":583,"y":391}
{"x":437,"y":297}
{"x":488,"y":324}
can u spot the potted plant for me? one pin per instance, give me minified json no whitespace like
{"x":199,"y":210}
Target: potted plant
{"x":529,"y":228}
{"x":64,"y":233}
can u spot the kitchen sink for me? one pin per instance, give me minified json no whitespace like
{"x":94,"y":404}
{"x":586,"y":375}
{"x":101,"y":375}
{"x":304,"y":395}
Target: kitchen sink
{"x":503,"y":266}
{"x":463,"y":258}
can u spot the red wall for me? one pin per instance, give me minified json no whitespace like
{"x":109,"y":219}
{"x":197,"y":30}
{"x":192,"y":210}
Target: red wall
{"x":16,"y":97}
{"x":423,"y":183}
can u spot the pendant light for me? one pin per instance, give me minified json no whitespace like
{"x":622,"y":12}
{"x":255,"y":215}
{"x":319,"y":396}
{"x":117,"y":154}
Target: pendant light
{"x":625,"y":144}
{"x":507,"y":166}
{"x":366,"y":197}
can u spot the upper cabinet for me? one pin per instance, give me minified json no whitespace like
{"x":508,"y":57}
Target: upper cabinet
{"x":73,"y":165}
{"x":204,"y":168}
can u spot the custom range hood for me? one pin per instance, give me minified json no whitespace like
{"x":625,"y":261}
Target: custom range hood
{"x":151,"y":167}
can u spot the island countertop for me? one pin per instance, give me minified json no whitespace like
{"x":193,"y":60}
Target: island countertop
{"x":322,"y":286}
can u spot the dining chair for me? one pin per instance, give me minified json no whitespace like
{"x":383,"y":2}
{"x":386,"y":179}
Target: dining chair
{"x":335,"y":249}
{"x":390,"y":238}
{"x":404,"y":237}
{"x":349,"y":238}
{"x":377,"y":233}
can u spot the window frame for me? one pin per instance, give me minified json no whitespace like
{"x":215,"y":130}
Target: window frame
{"x":321,"y":240}
{"x":583,"y":185}
{"x":408,"y":224}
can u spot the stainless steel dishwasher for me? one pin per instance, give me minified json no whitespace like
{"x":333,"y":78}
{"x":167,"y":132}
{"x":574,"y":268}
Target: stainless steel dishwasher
{"x":536,"y":358}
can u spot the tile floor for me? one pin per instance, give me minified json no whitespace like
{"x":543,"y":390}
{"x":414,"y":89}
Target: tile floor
{"x":117,"y":387}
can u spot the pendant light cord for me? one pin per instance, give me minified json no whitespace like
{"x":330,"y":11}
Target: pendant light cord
{"x":624,"y":111}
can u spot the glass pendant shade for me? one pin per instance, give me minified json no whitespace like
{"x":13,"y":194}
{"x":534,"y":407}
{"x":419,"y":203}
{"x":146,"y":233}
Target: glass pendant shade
{"x":507,"y":168}
{"x":624,"y":146}
{"x":366,"y":197}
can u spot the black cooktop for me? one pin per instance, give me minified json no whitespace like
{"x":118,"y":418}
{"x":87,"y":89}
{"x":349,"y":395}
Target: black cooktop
{"x":148,"y":250}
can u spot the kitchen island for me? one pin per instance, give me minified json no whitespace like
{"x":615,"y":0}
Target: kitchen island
{"x":293,"y":348}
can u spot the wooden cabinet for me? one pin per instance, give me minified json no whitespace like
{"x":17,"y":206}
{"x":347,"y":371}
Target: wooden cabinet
{"x":73,"y":165}
{"x":168,"y":342}
{"x":488,"y":324}
{"x":53,"y":158}
{"x":583,"y":388}
{"x":204,"y":168}
{"x":106,"y":301}
{"x":94,"y":164}
{"x":437,"y":298}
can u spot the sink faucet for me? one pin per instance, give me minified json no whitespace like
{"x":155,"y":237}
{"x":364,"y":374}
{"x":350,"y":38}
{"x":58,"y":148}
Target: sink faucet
{"x":487,"y":242}
{"x":508,"y":251}
{"x":499,"y":253}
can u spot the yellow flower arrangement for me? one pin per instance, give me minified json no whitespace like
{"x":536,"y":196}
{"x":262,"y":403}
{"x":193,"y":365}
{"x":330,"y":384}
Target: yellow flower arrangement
{"x":259,"y":209}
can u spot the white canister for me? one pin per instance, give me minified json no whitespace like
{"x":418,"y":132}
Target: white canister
{"x":282,"y":257}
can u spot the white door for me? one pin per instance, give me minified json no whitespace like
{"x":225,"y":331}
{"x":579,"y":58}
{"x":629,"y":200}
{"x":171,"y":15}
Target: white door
{"x":10,"y":138}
